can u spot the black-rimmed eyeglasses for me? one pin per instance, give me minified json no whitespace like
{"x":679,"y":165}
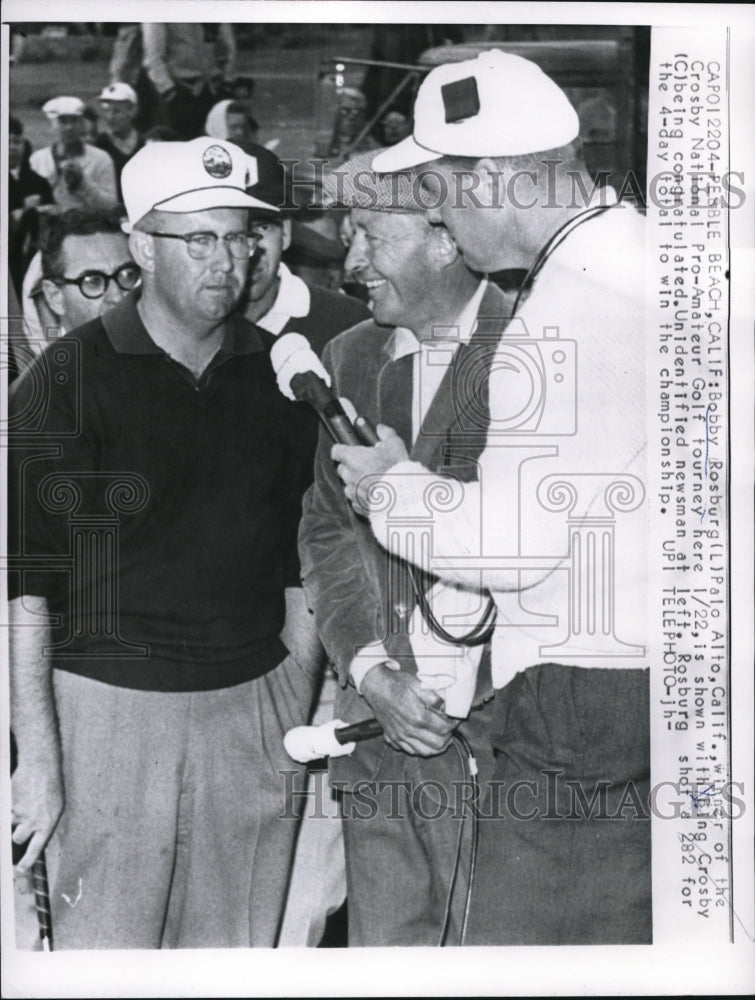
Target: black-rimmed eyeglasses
{"x":94,"y":284}
{"x":200,"y":246}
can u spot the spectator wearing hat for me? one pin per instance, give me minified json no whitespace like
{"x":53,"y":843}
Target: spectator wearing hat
{"x":405,"y":368}
{"x":27,"y":191}
{"x":118,"y":107}
{"x":80,"y":175}
{"x":187,"y":78}
{"x":149,"y":709}
{"x":275,"y":298}
{"x":495,"y":149}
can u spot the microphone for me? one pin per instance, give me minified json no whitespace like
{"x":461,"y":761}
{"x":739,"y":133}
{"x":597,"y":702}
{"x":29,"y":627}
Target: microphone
{"x":332,"y":739}
{"x":301,"y":376}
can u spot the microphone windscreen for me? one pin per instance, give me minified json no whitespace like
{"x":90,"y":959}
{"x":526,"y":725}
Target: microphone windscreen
{"x":292,"y":355}
{"x":287,"y":345}
{"x":306,"y":743}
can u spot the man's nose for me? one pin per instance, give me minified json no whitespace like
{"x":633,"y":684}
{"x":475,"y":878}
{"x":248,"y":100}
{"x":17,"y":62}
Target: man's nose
{"x":221,"y":259}
{"x":356,"y":258}
{"x":433,"y":216}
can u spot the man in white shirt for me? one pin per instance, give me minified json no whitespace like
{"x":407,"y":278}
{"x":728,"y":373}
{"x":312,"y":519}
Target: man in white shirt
{"x":408,"y":367}
{"x":555,"y":528}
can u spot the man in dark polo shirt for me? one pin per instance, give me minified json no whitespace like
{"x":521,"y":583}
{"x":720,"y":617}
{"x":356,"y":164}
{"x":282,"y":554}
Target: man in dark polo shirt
{"x":156,"y":481}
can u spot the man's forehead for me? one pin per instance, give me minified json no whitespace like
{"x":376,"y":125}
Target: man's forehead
{"x":208,"y":219}
{"x":384,"y":222}
{"x":95,"y":250}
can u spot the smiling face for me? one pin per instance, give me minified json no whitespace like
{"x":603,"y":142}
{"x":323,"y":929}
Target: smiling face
{"x":391,"y":254}
{"x":198,"y":292}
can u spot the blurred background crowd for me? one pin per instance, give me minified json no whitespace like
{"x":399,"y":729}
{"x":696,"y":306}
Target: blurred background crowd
{"x":85,"y":97}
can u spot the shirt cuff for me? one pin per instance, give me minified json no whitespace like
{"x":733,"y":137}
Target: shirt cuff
{"x":364,"y":661}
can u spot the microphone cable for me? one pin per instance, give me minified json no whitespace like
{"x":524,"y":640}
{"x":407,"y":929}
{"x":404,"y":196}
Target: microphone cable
{"x":466,"y":758}
{"x":477,"y":636}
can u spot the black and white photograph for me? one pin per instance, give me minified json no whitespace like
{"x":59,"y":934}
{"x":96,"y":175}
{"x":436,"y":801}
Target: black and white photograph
{"x":377,"y":531}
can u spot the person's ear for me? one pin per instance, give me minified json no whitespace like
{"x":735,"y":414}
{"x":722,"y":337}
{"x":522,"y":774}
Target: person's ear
{"x":445,"y":246}
{"x":142,"y":247}
{"x":286,"y":233}
{"x":492,"y":182}
{"x":54,"y":297}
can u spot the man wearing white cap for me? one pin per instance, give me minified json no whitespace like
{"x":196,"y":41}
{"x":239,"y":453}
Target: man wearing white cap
{"x":149,"y":709}
{"x":120,"y":140}
{"x":435,"y":323}
{"x":559,"y":502}
{"x":80,"y":175}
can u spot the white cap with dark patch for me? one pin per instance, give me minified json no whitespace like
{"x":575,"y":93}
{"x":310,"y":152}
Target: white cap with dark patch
{"x":498,"y":104}
{"x":119,"y":92}
{"x":188,"y":177}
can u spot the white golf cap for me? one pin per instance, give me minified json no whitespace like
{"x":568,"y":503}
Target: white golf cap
{"x":188,"y":177}
{"x":63,"y":106}
{"x":119,"y":92}
{"x":498,"y":104}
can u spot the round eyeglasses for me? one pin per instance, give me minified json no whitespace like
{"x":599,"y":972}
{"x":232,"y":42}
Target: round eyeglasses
{"x":200,"y":246}
{"x":94,"y":284}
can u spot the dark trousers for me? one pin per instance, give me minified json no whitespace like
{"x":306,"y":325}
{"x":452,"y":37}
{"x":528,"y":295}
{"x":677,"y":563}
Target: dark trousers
{"x":566,"y":860}
{"x":187,"y":112}
{"x":400,"y":836}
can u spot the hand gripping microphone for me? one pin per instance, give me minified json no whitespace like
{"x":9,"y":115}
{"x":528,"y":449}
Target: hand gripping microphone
{"x":302,"y":376}
{"x":332,"y":739}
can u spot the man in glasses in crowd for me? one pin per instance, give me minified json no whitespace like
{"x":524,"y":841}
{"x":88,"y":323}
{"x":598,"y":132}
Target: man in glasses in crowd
{"x":87,"y":266}
{"x":83,"y":269}
{"x":152,"y":678}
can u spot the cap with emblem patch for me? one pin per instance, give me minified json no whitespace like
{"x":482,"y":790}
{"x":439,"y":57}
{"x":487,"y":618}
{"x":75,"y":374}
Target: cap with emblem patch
{"x":498,"y":104}
{"x":189,"y":177}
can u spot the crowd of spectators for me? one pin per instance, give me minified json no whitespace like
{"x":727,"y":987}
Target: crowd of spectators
{"x":167,"y":82}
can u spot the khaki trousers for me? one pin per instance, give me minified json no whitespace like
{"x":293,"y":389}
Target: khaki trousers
{"x":177,"y":830}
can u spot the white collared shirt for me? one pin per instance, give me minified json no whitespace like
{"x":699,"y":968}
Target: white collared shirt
{"x":291,"y":302}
